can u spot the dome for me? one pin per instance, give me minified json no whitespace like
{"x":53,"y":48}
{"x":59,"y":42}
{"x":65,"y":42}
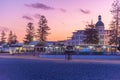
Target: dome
{"x":99,"y":23}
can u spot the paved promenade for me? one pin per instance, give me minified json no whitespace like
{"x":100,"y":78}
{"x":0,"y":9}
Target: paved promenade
{"x":28,"y":67}
{"x":114,"y":60}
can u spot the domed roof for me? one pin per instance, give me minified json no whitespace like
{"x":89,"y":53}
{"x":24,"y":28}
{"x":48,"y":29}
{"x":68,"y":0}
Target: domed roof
{"x":99,"y":23}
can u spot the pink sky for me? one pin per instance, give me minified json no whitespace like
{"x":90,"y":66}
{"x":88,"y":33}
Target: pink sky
{"x":64,"y":16}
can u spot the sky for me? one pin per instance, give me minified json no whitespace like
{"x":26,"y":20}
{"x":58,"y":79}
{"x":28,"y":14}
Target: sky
{"x":64,"y":16}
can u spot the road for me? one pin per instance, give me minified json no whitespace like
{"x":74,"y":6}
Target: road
{"x":29,"y":69}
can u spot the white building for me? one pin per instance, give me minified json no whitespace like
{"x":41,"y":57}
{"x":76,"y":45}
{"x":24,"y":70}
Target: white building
{"x":78,"y":36}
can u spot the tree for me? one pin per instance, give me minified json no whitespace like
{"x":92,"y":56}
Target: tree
{"x":115,"y":25}
{"x":112,"y":34}
{"x":91,"y":35}
{"x":42,"y":31}
{"x":29,"y":37}
{"x":3,"y":38}
{"x":12,"y":38}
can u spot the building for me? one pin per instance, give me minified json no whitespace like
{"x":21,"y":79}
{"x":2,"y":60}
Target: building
{"x":78,"y":36}
{"x":76,"y":39}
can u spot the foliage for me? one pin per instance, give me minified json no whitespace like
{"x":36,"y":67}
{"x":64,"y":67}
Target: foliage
{"x":29,"y":37}
{"x":112,"y":34}
{"x":91,"y":35}
{"x":42,"y":31}
{"x":115,"y":25}
{"x":3,"y":38}
{"x":12,"y":38}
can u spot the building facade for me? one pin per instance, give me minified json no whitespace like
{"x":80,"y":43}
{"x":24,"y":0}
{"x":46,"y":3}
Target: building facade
{"x":78,"y":36}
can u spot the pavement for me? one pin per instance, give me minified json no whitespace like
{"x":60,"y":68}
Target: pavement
{"x":82,"y":60}
{"x":30,"y":67}
{"x":57,"y":69}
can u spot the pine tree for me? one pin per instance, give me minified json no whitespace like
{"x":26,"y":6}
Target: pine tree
{"x":10,"y":38}
{"x":14,"y":39}
{"x":3,"y":38}
{"x":112,"y":34}
{"x":42,"y":31}
{"x":91,"y":35}
{"x":115,"y":25}
{"x":29,"y":37}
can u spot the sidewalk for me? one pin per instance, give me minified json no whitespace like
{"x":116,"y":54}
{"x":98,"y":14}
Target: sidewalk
{"x":82,"y":60}
{"x":108,"y":57}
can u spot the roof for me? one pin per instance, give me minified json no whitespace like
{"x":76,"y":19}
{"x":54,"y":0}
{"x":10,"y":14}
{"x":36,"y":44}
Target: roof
{"x":99,"y":23}
{"x":33,"y":43}
{"x":16,"y":45}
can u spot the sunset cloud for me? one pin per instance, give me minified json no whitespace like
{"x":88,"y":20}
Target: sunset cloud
{"x":40,"y":6}
{"x":44,"y":7}
{"x":2,"y":28}
{"x":85,"y":11}
{"x":63,"y":10}
{"x":27,"y":17}
{"x":37,"y":16}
